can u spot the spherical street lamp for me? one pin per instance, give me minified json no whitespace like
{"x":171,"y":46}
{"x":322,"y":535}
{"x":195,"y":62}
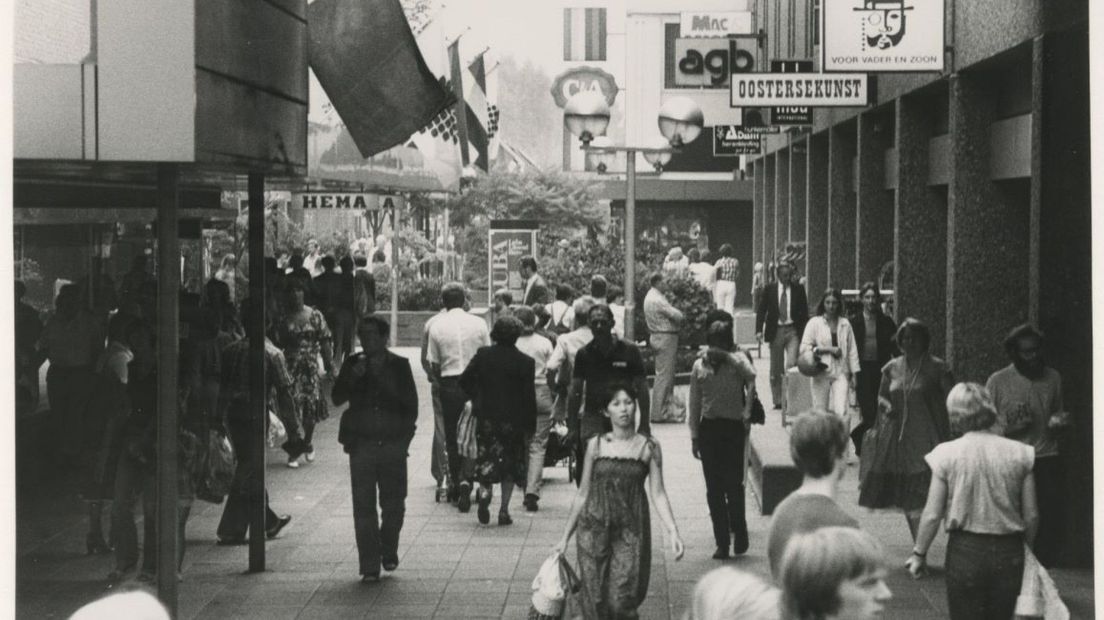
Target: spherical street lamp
{"x":680,"y":120}
{"x":587,"y":115}
{"x":658,"y":153}
{"x":599,"y":154}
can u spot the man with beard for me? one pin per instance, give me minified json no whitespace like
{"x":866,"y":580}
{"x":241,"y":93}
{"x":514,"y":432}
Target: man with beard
{"x":606,"y":359}
{"x":1028,"y":398}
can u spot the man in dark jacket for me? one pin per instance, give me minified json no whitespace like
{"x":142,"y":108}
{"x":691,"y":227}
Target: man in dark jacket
{"x":780,"y":320}
{"x":376,"y":430}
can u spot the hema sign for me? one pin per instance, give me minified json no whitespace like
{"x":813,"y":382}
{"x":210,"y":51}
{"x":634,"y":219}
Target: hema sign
{"x":883,"y":35}
{"x":715,"y":24}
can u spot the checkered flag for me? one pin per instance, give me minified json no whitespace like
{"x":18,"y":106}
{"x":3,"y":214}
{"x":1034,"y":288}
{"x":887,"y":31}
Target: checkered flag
{"x":443,"y":125}
{"x":492,"y":120}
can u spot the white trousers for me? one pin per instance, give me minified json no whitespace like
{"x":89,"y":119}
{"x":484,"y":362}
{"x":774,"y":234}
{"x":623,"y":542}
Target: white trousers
{"x":830,"y":393}
{"x":724,"y":295}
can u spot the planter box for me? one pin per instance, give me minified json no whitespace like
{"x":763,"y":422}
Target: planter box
{"x":412,"y":324}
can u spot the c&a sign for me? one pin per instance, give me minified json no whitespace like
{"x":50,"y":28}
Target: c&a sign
{"x":578,"y":79}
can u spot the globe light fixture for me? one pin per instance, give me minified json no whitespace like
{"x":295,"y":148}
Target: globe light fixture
{"x":587,"y":115}
{"x":680,"y":120}
{"x":658,"y":153}
{"x":601,"y":153}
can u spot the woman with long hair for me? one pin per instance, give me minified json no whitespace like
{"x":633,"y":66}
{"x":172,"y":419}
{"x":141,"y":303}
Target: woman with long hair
{"x":983,"y":490}
{"x":829,"y":339}
{"x":719,"y":415}
{"x":874,"y":332}
{"x":912,"y":419}
{"x":610,"y":513}
{"x":834,"y":573}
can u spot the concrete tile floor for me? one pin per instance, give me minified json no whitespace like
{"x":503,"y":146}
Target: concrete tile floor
{"x":451,"y":567}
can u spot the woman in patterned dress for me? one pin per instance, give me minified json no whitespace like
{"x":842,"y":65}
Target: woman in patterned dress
{"x":305,"y":336}
{"x":611,"y":513}
{"x":912,"y":419}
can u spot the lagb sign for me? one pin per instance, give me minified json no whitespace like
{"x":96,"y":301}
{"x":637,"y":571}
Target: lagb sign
{"x":711,"y":62}
{"x":580,"y":79}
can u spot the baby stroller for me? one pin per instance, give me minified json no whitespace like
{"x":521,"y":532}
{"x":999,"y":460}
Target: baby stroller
{"x":561,"y":452}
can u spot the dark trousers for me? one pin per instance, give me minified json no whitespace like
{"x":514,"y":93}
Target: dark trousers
{"x":378,"y":474}
{"x":131,"y":480}
{"x":722,"y":456}
{"x":452,"y":405}
{"x":866,"y":392}
{"x":69,"y":391}
{"x":984,"y":575}
{"x":246,"y":487}
{"x":1049,"y":479}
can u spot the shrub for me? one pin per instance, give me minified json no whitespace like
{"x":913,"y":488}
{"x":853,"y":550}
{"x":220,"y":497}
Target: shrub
{"x":414,"y":294}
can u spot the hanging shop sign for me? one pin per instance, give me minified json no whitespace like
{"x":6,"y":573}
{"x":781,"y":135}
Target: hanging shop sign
{"x":715,"y":24}
{"x":709,"y":63}
{"x":342,"y":200}
{"x":874,"y":36}
{"x":791,"y":115}
{"x":799,"y":89}
{"x":730,"y":141}
{"x":507,"y":242}
{"x":579,"y":79}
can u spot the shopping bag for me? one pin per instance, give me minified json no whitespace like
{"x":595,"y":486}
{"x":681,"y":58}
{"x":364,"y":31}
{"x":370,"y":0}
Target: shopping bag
{"x":277,"y":433}
{"x":217,"y":470}
{"x":1038,"y":595}
{"x":573,"y":591}
{"x":465,"y":433}
{"x":547,"y":602}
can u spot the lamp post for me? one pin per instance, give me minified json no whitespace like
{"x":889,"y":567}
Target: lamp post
{"x":587,"y":116}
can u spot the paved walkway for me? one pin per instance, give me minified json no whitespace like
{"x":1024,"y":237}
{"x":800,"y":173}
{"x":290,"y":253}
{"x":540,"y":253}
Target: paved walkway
{"x":451,"y":567}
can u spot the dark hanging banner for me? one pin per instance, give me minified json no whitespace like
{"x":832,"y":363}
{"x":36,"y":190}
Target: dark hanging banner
{"x":367,"y":61}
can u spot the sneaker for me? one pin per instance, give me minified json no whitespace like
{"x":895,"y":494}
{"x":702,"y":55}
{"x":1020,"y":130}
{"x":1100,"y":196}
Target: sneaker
{"x":484,"y":512}
{"x":310,"y":456}
{"x":530,"y":502}
{"x":463,"y":501}
{"x":293,"y":463}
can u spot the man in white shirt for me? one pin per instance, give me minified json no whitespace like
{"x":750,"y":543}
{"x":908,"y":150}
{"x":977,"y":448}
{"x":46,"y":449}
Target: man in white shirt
{"x":311,"y":260}
{"x":664,"y":321}
{"x":454,"y":337}
{"x":704,"y":273}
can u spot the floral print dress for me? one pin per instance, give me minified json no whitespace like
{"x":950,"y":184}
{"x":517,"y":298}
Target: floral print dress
{"x":303,"y":335}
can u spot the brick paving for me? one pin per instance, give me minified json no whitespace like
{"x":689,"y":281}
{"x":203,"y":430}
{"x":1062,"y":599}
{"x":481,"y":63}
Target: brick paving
{"x":451,"y":567}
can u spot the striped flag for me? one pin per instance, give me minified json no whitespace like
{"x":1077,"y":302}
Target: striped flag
{"x":476,"y":99}
{"x":584,"y":34}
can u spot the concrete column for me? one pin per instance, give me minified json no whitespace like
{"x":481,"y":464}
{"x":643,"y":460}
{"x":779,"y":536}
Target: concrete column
{"x":987,"y":238}
{"x":920,"y":230}
{"x":798,"y":199}
{"x":781,"y":198}
{"x":841,"y":206}
{"x":768,"y":210}
{"x":816,"y":221}
{"x":1061,"y":231}
{"x":874,"y":221}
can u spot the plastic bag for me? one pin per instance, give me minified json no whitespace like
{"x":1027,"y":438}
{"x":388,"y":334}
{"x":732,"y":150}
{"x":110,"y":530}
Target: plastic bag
{"x":276,"y":431}
{"x":465,"y":434}
{"x":1038,"y":595}
{"x":217,"y":470}
{"x":548,"y":590}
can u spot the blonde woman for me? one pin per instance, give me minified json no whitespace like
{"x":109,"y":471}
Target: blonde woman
{"x":983,"y":490}
{"x":728,"y":593}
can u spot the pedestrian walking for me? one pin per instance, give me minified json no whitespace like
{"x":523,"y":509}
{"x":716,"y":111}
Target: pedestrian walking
{"x":615,"y":299}
{"x":983,"y":490}
{"x":499,"y":382}
{"x":834,"y":573}
{"x":364,"y":289}
{"x":500,"y":304}
{"x":830,"y":342}
{"x":780,"y":318}
{"x":454,"y":337}
{"x":728,"y":593}
{"x":664,"y":321}
{"x":599,"y":287}
{"x":912,"y":419}
{"x":704,"y":273}
{"x":1027,"y":395}
{"x":344,"y":303}
{"x":758,"y":283}
{"x":376,"y":430}
{"x":719,"y":417}
{"x":559,"y":311}
{"x":228,"y":274}
{"x":539,"y":348}
{"x":72,"y":340}
{"x":604,"y":361}
{"x":818,"y":446}
{"x":563,"y":356}
{"x":327,"y":287}
{"x":676,"y":262}
{"x":312,"y":261}
{"x":609,"y":515}
{"x":306,"y":337}
{"x":727,"y":273}
{"x":536,"y":289}
{"x":874,"y":332}
{"x":235,"y":406}
{"x":438,"y":460}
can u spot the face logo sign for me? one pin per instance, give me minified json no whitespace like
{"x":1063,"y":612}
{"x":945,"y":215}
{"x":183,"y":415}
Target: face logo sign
{"x":883,"y":22}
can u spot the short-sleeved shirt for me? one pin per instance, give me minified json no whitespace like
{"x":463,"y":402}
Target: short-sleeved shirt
{"x":984,"y":474}
{"x":622,"y":364}
{"x":1042,"y":397}
{"x":718,"y":393}
{"x":454,"y":337}
{"x":801,"y":513}
{"x":727,"y":268}
{"x":540,"y":349}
